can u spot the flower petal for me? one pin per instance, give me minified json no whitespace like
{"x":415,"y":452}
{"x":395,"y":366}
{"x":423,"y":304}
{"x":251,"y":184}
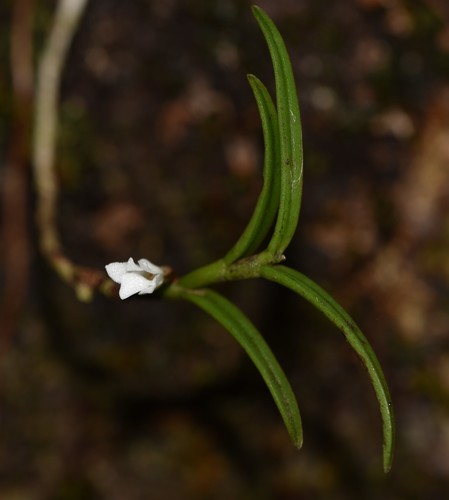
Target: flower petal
{"x":149,"y":289}
{"x":132,"y":266}
{"x":134,"y":283}
{"x":158,"y":280}
{"x":116,"y":270}
{"x":148,"y":266}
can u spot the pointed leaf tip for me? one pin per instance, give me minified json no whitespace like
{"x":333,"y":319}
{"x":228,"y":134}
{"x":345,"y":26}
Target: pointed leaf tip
{"x":314,"y":294}
{"x":240,"y":327}
{"x":290,"y":159}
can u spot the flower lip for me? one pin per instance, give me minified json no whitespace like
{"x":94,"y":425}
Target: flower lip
{"x":141,"y":278}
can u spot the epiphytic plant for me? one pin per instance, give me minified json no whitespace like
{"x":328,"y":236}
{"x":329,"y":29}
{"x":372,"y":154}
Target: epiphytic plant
{"x":276,"y":213}
{"x":277,"y":209}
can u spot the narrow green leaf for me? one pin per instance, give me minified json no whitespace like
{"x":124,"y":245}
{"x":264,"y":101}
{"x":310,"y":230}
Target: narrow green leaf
{"x":290,"y":136}
{"x":233,"y":320}
{"x":268,"y":202}
{"x":305,"y":287}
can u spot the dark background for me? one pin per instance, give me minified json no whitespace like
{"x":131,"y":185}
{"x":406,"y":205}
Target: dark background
{"x":160,"y":154}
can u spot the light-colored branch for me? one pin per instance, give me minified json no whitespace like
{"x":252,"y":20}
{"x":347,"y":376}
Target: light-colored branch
{"x":67,"y":16}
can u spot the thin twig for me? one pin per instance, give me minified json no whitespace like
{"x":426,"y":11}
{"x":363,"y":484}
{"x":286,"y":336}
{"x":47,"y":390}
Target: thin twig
{"x":67,"y":16}
{"x":84,"y":280}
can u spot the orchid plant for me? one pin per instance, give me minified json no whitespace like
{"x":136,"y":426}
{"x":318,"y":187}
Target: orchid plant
{"x":276,"y":213}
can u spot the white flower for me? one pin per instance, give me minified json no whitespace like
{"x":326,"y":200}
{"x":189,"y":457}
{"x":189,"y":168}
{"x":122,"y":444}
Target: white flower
{"x":140,"y":278}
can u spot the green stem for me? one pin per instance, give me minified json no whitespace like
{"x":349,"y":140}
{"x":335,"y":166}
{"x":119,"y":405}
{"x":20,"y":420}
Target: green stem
{"x":205,"y":275}
{"x":219,"y":271}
